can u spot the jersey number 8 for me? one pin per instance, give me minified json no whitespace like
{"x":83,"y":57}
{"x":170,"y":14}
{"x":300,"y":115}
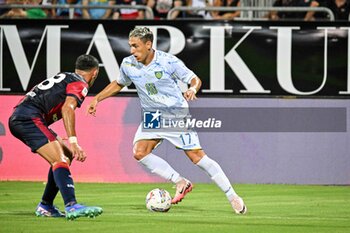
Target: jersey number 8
{"x":48,"y":83}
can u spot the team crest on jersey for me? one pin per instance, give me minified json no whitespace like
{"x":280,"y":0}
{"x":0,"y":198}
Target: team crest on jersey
{"x":158,"y":74}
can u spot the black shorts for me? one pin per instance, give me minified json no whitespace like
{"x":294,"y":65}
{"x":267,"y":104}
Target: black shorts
{"x":28,"y":125}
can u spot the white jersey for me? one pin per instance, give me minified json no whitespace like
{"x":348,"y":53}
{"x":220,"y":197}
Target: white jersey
{"x":157,"y":88}
{"x":156,"y":83}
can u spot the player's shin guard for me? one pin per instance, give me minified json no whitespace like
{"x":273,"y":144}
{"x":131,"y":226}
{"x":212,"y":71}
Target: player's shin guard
{"x":64,"y":182}
{"x":51,"y":189}
{"x":215,"y":172}
{"x":160,"y":167}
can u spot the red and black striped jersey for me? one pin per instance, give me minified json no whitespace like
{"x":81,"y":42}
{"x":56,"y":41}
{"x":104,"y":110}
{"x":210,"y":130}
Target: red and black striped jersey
{"x":49,"y":95}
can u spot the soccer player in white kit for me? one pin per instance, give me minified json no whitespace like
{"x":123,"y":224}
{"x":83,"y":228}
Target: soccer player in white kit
{"x":155,"y":75}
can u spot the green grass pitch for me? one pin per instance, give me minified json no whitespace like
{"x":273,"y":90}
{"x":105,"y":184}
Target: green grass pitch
{"x":271,"y":208}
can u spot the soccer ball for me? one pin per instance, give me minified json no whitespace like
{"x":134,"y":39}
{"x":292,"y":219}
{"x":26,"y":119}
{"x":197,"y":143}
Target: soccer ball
{"x":158,"y":200}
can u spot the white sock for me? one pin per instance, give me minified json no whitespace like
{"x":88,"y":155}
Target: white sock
{"x":160,"y":167}
{"x":215,"y":172}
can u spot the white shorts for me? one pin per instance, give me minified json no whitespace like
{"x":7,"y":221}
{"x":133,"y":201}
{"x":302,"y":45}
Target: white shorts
{"x":182,"y":140}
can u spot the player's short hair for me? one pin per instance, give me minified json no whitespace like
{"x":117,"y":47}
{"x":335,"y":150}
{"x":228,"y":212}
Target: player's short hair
{"x":144,"y":33}
{"x":86,"y":62}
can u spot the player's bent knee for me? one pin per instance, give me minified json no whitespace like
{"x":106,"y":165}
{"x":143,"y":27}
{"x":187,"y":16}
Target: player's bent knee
{"x":195,"y":155}
{"x":62,"y":159}
{"x":144,"y":147}
{"x":60,"y":165}
{"x":53,"y":153}
{"x":140,"y":154}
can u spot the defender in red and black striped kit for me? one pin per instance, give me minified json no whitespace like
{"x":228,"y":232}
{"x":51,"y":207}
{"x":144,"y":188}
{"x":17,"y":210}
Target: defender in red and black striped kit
{"x":42,"y":106}
{"x":49,"y":101}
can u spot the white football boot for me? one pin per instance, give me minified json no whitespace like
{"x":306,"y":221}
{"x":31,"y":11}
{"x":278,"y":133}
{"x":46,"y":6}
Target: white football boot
{"x":238,"y":205}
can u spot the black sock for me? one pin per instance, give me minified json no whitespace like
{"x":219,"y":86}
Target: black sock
{"x":51,"y":189}
{"x":64,"y":182}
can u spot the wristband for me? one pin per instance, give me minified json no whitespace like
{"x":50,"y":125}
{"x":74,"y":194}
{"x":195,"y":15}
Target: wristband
{"x":73,"y":139}
{"x":193,"y":89}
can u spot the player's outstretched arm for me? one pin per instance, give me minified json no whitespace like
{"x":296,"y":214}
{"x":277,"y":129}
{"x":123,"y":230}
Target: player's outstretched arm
{"x":68,"y":116}
{"x":112,"y":89}
{"x":191,"y":92}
